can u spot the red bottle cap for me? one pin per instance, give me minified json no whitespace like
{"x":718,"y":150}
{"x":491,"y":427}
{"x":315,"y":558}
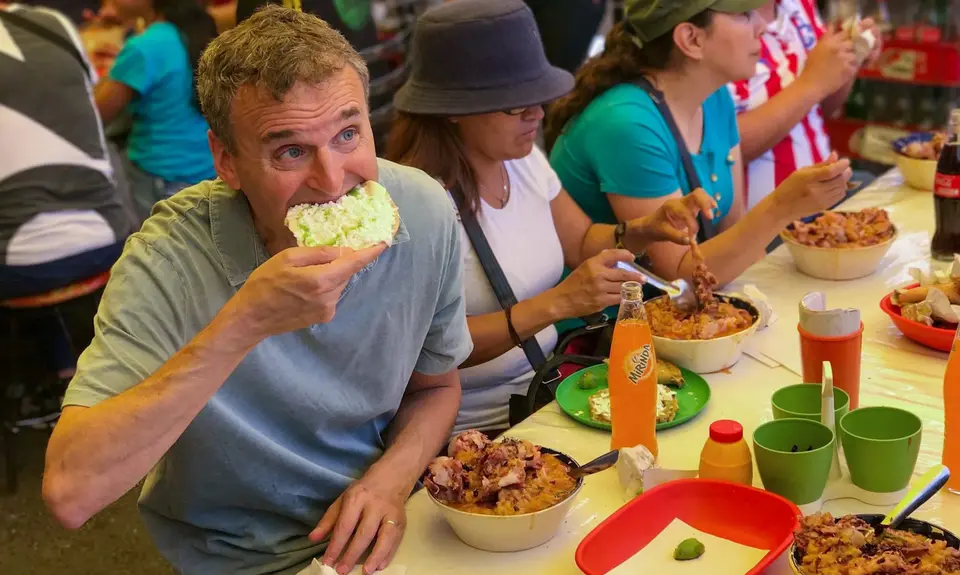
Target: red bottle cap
{"x":726,"y":431}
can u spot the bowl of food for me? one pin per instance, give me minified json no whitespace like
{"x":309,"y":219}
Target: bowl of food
{"x":917,"y":156}
{"x":840,"y":245}
{"x":705,"y":340}
{"x":915,"y":314}
{"x":851,"y":545}
{"x":502,"y":496}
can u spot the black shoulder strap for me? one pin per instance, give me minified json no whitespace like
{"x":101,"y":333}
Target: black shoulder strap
{"x":707,"y":230}
{"x":64,"y":43}
{"x":491,"y":267}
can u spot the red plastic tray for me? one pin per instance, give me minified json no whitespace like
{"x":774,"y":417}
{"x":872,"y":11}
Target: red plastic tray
{"x":742,"y":514}
{"x":933,"y":337}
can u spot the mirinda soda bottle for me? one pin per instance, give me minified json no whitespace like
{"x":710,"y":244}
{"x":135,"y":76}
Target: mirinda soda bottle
{"x":632,"y":375}
{"x":951,"y":417}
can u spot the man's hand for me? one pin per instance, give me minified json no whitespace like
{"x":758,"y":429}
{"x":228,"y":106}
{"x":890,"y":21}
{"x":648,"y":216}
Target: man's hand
{"x":297,"y":288}
{"x":370,"y":509}
{"x":831,"y":65}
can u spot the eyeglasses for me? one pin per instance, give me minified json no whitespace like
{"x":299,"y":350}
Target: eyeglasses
{"x":520,"y":111}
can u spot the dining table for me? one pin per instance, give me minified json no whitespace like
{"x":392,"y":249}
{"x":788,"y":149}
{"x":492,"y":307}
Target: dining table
{"x":895,"y":372}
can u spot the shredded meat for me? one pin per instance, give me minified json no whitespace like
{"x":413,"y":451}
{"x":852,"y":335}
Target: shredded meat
{"x":469,"y":441}
{"x":445,"y":479}
{"x":669,"y":321}
{"x":850,"y":546}
{"x":703,"y":281}
{"x":497,"y":478}
{"x":868,"y":227}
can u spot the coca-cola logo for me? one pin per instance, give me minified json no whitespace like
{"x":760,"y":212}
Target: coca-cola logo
{"x":946,"y":185}
{"x":640,"y":364}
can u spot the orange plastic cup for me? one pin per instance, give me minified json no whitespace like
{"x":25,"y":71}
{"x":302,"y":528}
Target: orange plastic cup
{"x":842,"y":352}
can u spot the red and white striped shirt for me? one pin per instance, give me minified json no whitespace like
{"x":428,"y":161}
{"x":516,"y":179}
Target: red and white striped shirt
{"x":786,"y":44}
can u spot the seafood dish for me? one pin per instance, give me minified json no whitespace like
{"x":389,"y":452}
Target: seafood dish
{"x":868,"y":227}
{"x":508,"y":477}
{"x":714,"y":318}
{"x":851,"y":546}
{"x":929,"y":150}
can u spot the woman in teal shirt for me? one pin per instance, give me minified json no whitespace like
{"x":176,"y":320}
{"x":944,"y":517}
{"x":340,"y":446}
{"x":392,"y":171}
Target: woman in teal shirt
{"x":616,"y":155}
{"x":167,"y":148}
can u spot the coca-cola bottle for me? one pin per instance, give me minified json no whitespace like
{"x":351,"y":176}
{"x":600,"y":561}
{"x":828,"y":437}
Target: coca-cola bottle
{"x":946,"y":239}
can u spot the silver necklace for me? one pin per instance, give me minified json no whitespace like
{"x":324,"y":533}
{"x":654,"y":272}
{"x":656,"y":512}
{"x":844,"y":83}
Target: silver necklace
{"x":506,"y":186}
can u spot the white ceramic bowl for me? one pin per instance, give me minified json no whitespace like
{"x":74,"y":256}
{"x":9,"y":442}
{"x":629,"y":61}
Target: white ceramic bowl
{"x":508,"y":533}
{"x":918,"y":174}
{"x":708,"y":355}
{"x":837,"y":264}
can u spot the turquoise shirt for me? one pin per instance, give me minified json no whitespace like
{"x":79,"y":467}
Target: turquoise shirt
{"x":168,"y":138}
{"x":303,"y":415}
{"x":620,"y":144}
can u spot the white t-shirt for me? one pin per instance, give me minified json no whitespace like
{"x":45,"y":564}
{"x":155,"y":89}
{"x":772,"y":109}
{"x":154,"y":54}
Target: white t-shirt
{"x":523,"y":237}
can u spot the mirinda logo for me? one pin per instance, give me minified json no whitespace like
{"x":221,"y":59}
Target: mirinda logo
{"x":639,"y":364}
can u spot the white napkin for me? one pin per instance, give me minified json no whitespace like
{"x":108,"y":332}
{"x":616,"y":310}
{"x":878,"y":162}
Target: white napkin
{"x":318,"y":568}
{"x":828,"y":417}
{"x":863,"y":40}
{"x":819,"y":321}
{"x":753,"y":295}
{"x":638,"y":472}
{"x":720,"y":557}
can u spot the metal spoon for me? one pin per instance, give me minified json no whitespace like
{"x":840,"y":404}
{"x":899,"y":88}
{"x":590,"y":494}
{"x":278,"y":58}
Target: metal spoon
{"x":604,"y":462}
{"x":929,"y":484}
{"x":679,"y":291}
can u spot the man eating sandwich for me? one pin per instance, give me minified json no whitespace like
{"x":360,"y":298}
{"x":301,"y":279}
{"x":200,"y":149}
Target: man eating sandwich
{"x":280,"y":400}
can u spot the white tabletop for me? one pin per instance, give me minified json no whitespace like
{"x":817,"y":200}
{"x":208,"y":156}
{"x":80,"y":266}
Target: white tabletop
{"x":895,"y":372}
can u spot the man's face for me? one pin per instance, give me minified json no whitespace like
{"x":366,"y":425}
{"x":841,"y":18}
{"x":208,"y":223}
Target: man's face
{"x":312,"y":147}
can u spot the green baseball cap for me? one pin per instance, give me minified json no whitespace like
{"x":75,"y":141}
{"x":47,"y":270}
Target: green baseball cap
{"x":650,"y":19}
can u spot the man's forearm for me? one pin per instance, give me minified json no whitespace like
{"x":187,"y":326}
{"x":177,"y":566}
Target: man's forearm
{"x":833,"y":103}
{"x":97,"y":454}
{"x":761,"y":129}
{"x":419,"y":430}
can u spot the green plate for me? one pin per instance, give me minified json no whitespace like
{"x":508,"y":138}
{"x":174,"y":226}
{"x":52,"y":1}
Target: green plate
{"x":693,"y":397}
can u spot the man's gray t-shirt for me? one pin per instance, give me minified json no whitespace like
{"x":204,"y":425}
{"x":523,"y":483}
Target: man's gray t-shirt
{"x":303,"y":415}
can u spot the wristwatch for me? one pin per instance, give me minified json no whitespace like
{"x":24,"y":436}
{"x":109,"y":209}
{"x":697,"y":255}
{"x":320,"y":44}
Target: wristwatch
{"x":618,"y":233}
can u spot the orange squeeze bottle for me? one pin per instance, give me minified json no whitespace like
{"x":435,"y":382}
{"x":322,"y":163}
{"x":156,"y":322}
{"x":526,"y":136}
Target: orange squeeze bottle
{"x":951,"y":417}
{"x":632,"y":375}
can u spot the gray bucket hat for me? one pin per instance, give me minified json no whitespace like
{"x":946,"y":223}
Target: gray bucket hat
{"x":476,"y":57}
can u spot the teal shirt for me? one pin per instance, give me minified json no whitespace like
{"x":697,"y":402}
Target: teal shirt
{"x":620,"y":144}
{"x":168,"y":138}
{"x":304,"y":414}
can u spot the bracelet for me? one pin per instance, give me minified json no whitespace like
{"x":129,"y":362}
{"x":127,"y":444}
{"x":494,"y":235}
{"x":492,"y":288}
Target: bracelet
{"x":514,"y":336}
{"x":618,"y":233}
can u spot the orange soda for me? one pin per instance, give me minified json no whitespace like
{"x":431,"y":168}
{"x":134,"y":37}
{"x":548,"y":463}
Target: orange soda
{"x":632,"y":375}
{"x":951,"y":417}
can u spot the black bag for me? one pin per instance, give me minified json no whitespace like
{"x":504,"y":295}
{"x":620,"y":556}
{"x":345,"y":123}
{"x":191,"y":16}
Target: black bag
{"x":540,"y":392}
{"x":707,"y":229}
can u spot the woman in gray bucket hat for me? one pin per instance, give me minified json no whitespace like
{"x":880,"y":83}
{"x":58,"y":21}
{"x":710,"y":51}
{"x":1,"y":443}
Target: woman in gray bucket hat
{"x":469,"y":116}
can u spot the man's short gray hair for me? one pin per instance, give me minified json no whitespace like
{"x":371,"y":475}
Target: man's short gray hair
{"x":274,"y":49}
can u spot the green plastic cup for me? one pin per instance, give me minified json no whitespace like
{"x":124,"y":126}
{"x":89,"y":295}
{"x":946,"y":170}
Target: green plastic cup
{"x":794,"y":458}
{"x":881,"y":445}
{"x":802,"y":401}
